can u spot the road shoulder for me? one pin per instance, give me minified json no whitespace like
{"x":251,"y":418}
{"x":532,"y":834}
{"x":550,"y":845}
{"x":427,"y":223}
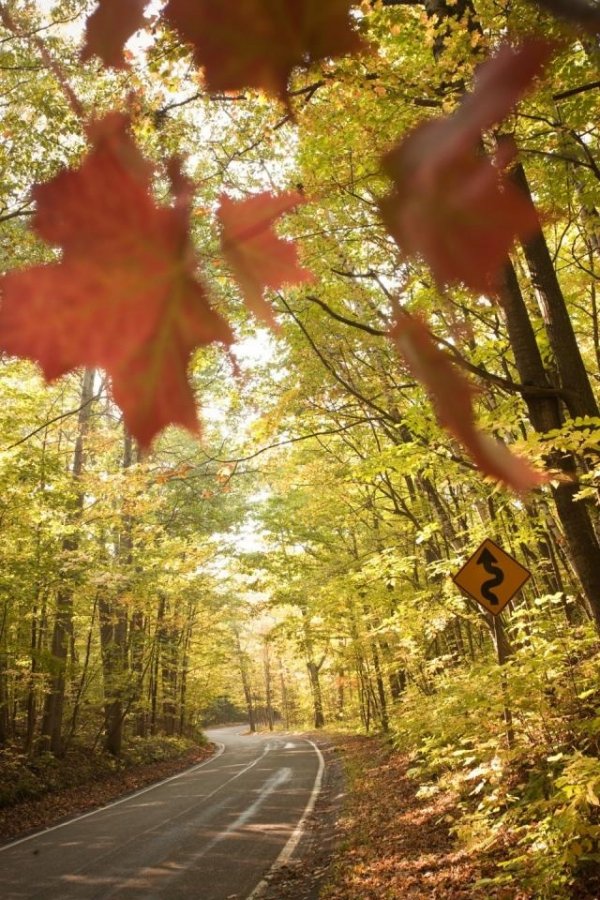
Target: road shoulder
{"x":25,"y":818}
{"x":303,"y":876}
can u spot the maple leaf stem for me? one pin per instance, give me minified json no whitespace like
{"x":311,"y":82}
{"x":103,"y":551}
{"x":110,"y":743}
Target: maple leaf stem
{"x":73,"y":100}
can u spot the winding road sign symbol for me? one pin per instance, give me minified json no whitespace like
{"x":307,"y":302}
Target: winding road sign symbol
{"x":507,"y":577}
{"x":489,"y":563}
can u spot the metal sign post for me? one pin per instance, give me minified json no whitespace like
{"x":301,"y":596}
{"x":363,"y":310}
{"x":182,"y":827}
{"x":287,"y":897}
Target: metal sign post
{"x":492,"y":577}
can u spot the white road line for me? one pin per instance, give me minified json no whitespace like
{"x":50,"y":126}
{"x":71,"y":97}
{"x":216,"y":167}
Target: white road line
{"x":273,"y":783}
{"x":141,"y":834}
{"x":294,"y":839}
{"x":30,"y":837}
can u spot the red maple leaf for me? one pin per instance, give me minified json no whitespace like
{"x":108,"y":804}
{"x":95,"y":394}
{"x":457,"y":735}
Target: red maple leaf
{"x":452,"y":397}
{"x":257,"y":43}
{"x":461,"y":217}
{"x":259,"y":259}
{"x":124,"y":296}
{"x":109,"y":27}
{"x":451,"y":205}
{"x":500,"y":82}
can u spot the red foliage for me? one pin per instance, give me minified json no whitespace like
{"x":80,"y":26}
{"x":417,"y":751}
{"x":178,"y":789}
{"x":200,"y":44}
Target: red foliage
{"x":258,"y":258}
{"x":109,"y":27}
{"x":452,"y":396}
{"x":257,"y":43}
{"x":124,"y":296}
{"x":452,"y":205}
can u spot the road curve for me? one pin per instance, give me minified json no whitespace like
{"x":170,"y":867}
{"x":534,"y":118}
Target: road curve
{"x":211,"y":833}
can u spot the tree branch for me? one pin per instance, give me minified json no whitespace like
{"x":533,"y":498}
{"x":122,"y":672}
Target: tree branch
{"x":65,"y":415}
{"x":504,"y":383}
{"x":590,"y":86}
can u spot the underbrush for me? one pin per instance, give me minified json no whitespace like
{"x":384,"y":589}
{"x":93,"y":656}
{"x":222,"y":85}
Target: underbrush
{"x":528,"y":788}
{"x":23,"y":778}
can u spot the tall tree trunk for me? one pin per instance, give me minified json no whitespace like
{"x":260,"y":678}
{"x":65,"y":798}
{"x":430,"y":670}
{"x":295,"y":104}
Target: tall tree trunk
{"x":185,"y":668}
{"x":62,"y":635}
{"x":315,"y":684}
{"x":155,"y":665}
{"x":544,"y":414}
{"x":313,"y":672}
{"x":113,"y":638}
{"x":383,"y":713}
{"x":114,"y":632}
{"x":579,"y":395}
{"x":246,"y":686}
{"x":268,"y":684}
{"x":169,"y":653}
{"x":84,"y":677}
{"x":285,"y":701}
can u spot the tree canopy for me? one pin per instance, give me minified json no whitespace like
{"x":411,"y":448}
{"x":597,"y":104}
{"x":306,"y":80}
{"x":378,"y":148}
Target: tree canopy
{"x":352,"y":248}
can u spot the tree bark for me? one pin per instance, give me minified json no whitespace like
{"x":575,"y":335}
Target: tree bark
{"x":544,"y":414}
{"x":51,"y":733}
{"x":579,"y":396}
{"x":246,"y":686}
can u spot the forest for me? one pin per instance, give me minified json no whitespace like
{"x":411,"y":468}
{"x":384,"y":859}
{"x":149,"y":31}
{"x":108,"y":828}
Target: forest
{"x":299,"y":305}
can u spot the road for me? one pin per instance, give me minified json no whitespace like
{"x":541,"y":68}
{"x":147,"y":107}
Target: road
{"x":211,"y":833}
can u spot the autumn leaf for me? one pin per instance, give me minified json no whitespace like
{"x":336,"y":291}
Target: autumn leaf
{"x":124,"y":296}
{"x":452,"y":397}
{"x":452,"y":205}
{"x":257,"y":43}
{"x":258,"y":258}
{"x":462,"y":218}
{"x":500,"y":82}
{"x":109,"y":28}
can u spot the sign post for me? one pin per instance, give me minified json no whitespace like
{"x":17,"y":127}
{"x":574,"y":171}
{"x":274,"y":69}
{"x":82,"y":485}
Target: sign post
{"x":492,"y":578}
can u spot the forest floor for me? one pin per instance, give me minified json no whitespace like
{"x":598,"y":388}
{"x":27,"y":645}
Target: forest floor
{"x":372,"y":837}
{"x":96,"y":786}
{"x":393,"y":840}
{"x":394,"y":843}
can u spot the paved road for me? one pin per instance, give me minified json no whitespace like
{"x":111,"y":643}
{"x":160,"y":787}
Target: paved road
{"x":208,"y":834}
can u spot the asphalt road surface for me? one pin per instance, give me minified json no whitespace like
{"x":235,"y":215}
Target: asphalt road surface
{"x":211,"y":833}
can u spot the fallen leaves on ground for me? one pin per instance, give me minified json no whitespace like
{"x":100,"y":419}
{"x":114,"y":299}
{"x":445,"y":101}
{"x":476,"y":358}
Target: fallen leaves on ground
{"x":395,"y":844}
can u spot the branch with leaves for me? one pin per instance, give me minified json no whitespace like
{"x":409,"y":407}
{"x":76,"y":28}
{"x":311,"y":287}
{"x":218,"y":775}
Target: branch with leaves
{"x":449,"y":205}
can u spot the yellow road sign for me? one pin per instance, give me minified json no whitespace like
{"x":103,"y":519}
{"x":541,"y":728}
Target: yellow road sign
{"x":491,"y":577}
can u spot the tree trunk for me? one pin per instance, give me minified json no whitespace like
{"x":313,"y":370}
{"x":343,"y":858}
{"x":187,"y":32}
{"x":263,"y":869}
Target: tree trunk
{"x":113,"y":637}
{"x":114,"y":633}
{"x":170,"y":642}
{"x":268,"y":685}
{"x":51,"y":736}
{"x":544,"y":414}
{"x":315,"y":684}
{"x":579,"y":396}
{"x":247,"y":688}
{"x":313,"y":672}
